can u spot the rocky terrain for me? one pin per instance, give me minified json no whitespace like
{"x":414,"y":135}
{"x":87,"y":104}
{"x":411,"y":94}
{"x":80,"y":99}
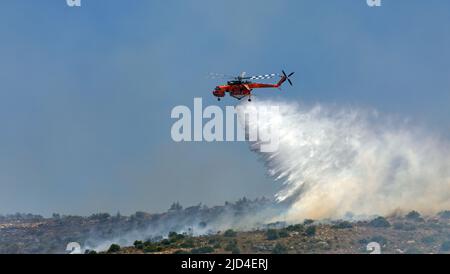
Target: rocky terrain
{"x":200,"y":229}
{"x":27,"y":233}
{"x":410,"y":234}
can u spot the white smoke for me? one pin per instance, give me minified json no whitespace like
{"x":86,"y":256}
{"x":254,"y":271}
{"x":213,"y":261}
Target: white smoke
{"x":333,"y":161}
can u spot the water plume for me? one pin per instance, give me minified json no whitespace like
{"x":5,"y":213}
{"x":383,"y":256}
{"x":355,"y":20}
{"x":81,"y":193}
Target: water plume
{"x":335,"y":160}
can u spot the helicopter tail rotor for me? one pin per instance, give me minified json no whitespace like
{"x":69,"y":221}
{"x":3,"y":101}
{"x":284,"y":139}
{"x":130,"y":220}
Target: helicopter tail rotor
{"x":287,"y":77}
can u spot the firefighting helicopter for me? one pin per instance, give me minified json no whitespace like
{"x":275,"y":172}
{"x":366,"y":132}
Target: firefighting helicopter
{"x":241,"y":86}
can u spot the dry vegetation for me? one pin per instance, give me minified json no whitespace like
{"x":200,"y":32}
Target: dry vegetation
{"x":411,"y":233}
{"x":398,"y":235}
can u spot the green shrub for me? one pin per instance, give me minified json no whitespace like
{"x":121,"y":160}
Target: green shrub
{"x":172,"y":234}
{"x":181,"y":252}
{"x":152,"y":248}
{"x":202,"y":250}
{"x":272,"y":234}
{"x":363,"y":241}
{"x":231,"y":245}
{"x":230,"y":233}
{"x":114,"y":248}
{"x":165,"y":242}
{"x":188,"y":243}
{"x":445,"y":246}
{"x":413,"y":215}
{"x":297,"y":227}
{"x":138,"y":244}
{"x":310,"y":231}
{"x":379,"y":222}
{"x":405,"y":226}
{"x":90,"y":252}
{"x":279,"y":249}
{"x":283,"y":233}
{"x":444,"y":214}
{"x":342,"y":225}
{"x":175,"y":237}
{"x":429,"y":240}
{"x":236,"y":250}
{"x":399,"y":225}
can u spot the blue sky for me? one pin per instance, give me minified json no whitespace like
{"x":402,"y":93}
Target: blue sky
{"x":86,"y":93}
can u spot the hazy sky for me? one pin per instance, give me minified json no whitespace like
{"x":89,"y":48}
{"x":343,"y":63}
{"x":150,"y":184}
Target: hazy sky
{"x":86,"y":93}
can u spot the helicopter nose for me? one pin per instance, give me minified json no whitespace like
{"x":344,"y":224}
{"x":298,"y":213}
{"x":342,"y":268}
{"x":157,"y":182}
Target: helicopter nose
{"x":218,"y":93}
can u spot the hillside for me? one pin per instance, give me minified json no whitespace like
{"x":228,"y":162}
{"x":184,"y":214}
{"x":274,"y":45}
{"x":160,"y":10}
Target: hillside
{"x":397,"y":235}
{"x":202,"y":229}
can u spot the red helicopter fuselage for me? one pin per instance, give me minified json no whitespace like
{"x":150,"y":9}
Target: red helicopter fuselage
{"x":240,"y":89}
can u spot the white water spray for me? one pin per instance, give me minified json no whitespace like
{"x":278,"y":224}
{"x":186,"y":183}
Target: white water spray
{"x":333,"y":161}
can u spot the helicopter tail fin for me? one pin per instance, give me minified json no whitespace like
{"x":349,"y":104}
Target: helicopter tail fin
{"x":282,"y":80}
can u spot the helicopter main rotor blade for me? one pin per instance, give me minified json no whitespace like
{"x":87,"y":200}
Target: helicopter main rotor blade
{"x":260,"y":77}
{"x":213,"y":75}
